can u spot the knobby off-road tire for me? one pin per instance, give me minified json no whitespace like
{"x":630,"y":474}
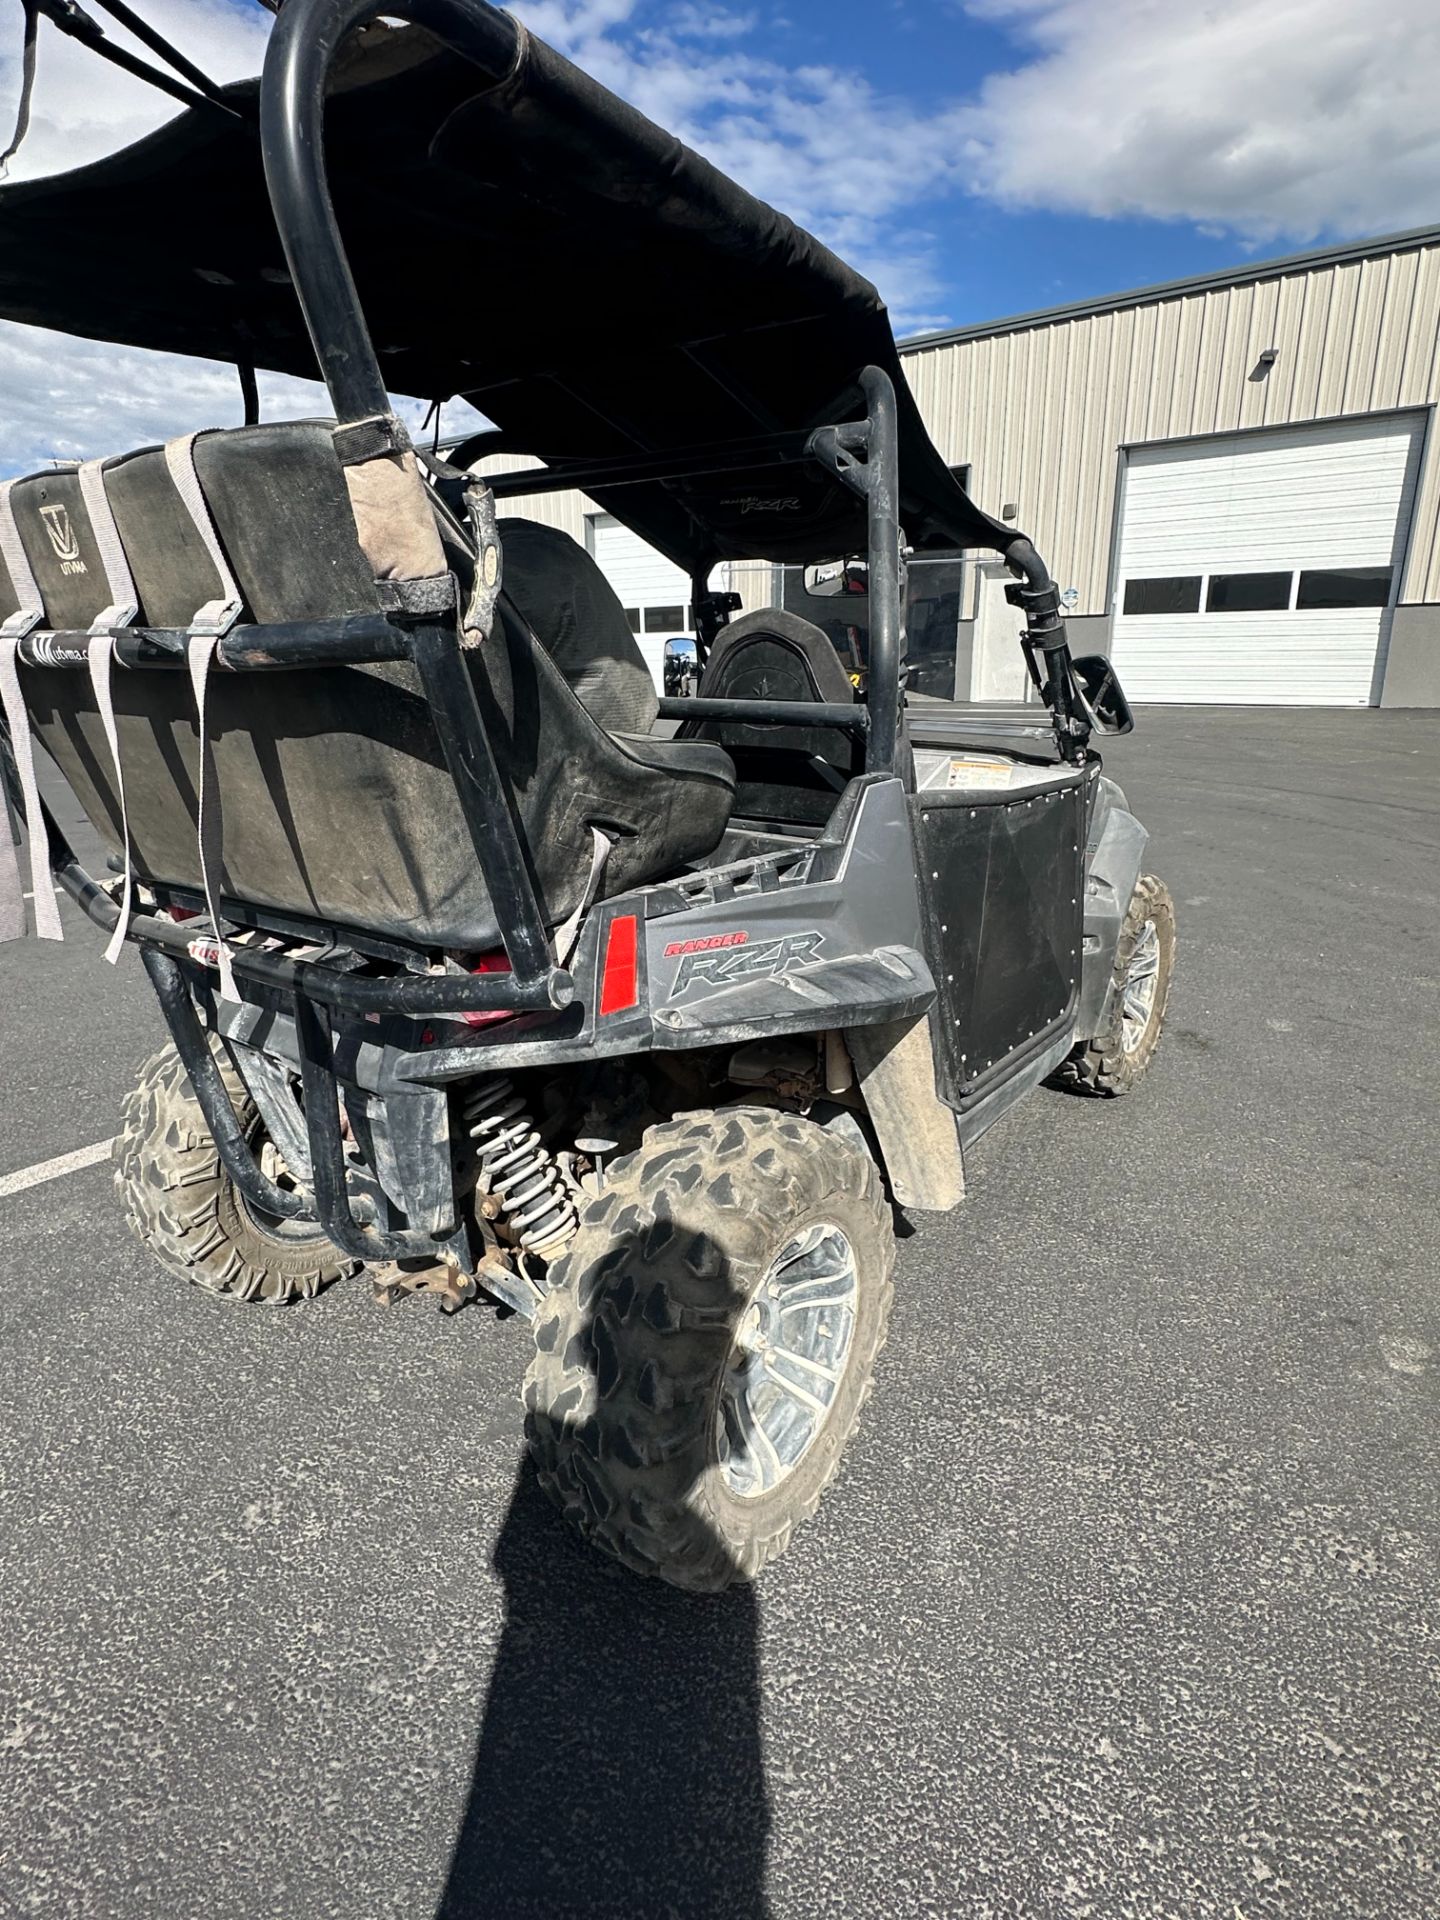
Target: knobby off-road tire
{"x":183,"y":1206}
{"x":635,"y":1344}
{"x":1106,"y":1065}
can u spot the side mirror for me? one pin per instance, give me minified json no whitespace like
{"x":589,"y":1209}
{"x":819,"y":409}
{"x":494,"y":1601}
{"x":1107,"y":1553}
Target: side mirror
{"x":836,"y":577}
{"x":682,"y":667}
{"x":1101,"y":695}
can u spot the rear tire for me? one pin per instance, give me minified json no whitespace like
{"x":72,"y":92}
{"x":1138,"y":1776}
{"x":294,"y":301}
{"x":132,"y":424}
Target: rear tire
{"x":185,"y":1209}
{"x":660,"y":1366}
{"x":1115,"y":1061}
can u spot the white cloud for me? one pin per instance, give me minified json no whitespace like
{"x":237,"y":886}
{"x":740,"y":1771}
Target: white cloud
{"x":1275,"y":120}
{"x":83,"y":107}
{"x":70,"y":399}
{"x":692,"y":21}
{"x":64,"y":398}
{"x":847,"y":162}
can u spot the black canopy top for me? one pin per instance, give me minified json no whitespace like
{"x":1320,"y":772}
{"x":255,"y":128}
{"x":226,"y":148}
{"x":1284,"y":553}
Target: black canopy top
{"x":533,"y":244}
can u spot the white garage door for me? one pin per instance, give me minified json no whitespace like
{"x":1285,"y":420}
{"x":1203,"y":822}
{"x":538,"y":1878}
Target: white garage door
{"x":653,"y":590}
{"x":1262,"y":568}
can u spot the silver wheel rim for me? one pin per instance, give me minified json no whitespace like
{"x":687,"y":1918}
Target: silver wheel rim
{"x":1142,"y":982}
{"x":788,"y":1361}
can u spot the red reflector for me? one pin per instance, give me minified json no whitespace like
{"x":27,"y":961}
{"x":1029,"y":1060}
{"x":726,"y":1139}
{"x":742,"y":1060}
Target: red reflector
{"x":495,"y":962}
{"x":620,"y":984}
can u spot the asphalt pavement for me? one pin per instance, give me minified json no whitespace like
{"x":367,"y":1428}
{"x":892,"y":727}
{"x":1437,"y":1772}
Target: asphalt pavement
{"x":1124,"y":1605}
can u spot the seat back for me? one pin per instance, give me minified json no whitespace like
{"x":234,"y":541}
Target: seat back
{"x":790,"y":773}
{"x":336,"y":799}
{"x":576,"y":615}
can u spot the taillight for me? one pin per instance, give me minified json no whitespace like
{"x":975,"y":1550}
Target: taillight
{"x":488,"y":963}
{"x":620,"y":980}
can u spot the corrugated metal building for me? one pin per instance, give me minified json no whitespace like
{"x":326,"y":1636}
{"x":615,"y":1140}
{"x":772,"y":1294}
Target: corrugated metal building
{"x":1236,"y":474}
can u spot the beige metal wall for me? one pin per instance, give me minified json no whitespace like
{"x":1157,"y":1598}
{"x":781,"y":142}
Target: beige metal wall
{"x":1041,"y":413}
{"x":751,"y":579}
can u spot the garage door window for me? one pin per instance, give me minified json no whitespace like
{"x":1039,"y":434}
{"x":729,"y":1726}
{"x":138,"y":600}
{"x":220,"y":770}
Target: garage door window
{"x":1318,"y":588}
{"x":1172,"y":594}
{"x":1249,"y":592}
{"x":1345,"y":587}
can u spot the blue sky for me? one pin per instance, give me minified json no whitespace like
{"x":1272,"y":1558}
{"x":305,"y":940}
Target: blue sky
{"x":974,"y":157}
{"x":989,"y":260}
{"x":991,"y":156}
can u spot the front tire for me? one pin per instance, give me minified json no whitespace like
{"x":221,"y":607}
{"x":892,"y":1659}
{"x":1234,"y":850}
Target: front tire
{"x":186,"y":1211}
{"x":710,"y":1341}
{"x":1115,"y":1061}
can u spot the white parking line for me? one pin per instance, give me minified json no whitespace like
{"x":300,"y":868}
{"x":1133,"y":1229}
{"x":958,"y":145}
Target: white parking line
{"x":27,"y":1177}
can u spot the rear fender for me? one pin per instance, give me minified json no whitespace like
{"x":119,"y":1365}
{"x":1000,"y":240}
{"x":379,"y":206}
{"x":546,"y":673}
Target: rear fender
{"x":916,"y":1132}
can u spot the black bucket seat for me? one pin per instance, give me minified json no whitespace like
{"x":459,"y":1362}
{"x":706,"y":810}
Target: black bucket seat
{"x":790,"y":773}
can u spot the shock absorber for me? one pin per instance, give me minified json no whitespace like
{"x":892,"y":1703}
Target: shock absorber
{"x":518,"y":1169}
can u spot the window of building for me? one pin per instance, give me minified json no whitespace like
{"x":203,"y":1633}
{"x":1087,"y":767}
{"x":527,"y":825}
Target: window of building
{"x":1173,"y":594}
{"x":632,"y":614}
{"x":1249,"y":592}
{"x":1345,"y":587}
{"x":666,"y":620}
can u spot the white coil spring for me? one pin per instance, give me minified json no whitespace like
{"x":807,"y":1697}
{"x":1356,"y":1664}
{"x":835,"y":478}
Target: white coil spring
{"x":516,"y":1166}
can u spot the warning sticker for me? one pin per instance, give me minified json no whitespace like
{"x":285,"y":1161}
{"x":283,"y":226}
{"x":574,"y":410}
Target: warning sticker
{"x":980,"y":772}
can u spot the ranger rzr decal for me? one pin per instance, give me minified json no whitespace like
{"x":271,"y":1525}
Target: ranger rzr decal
{"x":725,"y":959}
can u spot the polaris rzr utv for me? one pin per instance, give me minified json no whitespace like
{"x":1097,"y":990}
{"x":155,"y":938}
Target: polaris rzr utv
{"x":478,"y":978}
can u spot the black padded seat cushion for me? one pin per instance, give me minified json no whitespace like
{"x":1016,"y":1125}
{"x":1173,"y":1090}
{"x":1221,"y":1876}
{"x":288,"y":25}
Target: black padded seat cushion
{"x":335,"y":797}
{"x":679,"y":756}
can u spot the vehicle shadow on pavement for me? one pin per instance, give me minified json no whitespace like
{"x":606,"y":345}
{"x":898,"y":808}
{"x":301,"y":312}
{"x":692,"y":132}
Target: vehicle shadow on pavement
{"x":618,"y":1770}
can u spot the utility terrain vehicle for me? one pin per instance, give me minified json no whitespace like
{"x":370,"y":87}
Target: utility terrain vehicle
{"x":474,"y":978}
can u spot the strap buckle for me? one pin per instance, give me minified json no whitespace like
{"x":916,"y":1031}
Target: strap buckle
{"x":24,"y":620}
{"x":113,"y":617}
{"x":215,"y":619}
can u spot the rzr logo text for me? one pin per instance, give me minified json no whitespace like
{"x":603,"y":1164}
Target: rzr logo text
{"x":728,"y":959}
{"x":749,"y":503}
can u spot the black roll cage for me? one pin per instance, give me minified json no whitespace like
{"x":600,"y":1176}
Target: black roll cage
{"x":861,"y":455}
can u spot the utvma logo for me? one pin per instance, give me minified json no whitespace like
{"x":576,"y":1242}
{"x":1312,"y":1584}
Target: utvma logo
{"x":63,"y":538}
{"x":726,"y":959}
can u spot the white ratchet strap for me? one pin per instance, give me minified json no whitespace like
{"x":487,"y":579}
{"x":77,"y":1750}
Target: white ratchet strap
{"x":216,"y":616}
{"x":211,"y":623}
{"x":28,"y":615}
{"x":565,"y":937}
{"x":212,"y":832}
{"x":100,"y":656}
{"x":12,"y":900}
